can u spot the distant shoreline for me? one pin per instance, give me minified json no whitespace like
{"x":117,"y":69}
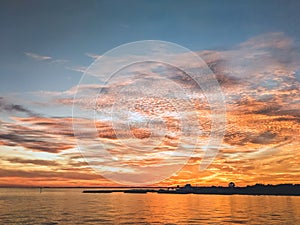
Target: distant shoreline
{"x":93,"y":187}
{"x":133,"y":192}
{"x":258,"y":189}
{"x":162,"y":187}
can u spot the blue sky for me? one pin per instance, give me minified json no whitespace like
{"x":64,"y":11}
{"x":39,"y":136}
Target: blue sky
{"x":66,"y":30}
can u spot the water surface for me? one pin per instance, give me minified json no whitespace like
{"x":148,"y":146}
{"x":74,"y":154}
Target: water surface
{"x":70,"y":206}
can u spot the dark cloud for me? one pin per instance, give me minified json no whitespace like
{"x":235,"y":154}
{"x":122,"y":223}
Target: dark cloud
{"x":268,"y":110}
{"x":264,"y":138}
{"x":292,"y":119}
{"x":277,"y":110}
{"x":32,"y":161}
{"x":246,"y":138}
{"x":10,"y":108}
{"x":36,"y":143}
{"x":39,"y":134}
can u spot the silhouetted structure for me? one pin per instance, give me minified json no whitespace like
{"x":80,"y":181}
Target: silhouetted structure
{"x":231,"y":185}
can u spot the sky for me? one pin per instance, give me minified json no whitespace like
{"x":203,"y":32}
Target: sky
{"x":251,"y":47}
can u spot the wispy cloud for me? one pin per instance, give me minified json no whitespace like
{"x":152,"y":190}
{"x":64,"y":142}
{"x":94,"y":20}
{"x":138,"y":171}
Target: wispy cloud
{"x":59,"y":61}
{"x":37,"y":56}
{"x":79,"y":69}
{"x":92,"y":55}
{"x":47,"y":59}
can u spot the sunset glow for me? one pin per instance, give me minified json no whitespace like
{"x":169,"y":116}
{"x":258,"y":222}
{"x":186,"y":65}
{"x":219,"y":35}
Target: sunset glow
{"x":260,"y":145}
{"x":258,"y":73}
